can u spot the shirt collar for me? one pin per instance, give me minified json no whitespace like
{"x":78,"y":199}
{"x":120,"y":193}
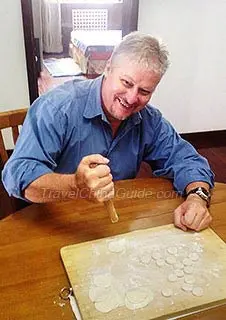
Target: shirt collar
{"x":93,"y":106}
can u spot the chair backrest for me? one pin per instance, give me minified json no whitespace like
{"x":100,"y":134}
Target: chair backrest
{"x":90,"y":19}
{"x":10,"y":119}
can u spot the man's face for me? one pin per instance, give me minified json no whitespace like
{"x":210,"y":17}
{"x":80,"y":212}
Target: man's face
{"x":126,"y":89}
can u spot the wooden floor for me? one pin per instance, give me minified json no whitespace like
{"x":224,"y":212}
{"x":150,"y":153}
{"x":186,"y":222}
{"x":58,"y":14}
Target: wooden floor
{"x":47,"y":82}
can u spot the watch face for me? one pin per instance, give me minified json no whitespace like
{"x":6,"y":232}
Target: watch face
{"x":201,"y":193}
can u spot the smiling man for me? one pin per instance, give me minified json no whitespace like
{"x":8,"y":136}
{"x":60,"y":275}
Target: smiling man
{"x":83,"y":135}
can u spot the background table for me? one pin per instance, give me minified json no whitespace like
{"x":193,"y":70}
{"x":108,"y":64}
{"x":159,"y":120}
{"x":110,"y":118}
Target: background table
{"x":92,"y":49}
{"x":31,"y":271}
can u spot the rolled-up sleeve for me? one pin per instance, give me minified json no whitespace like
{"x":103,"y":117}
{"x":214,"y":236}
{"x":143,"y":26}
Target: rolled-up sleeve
{"x":37,"y":149}
{"x":172,"y":157}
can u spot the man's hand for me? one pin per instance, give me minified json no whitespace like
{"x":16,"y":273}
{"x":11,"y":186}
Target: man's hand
{"x":192,"y":214}
{"x":94,"y":179}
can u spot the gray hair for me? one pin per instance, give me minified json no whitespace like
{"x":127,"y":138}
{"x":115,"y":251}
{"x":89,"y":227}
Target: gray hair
{"x":144,"y":50}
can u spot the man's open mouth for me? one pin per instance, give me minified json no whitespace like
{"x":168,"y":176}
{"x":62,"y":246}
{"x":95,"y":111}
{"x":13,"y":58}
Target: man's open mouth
{"x":124,"y":104}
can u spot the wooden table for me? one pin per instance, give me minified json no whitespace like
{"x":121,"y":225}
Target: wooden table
{"x":31,"y":271}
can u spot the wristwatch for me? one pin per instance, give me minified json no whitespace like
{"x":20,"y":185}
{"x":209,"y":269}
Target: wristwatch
{"x":202,"y":193}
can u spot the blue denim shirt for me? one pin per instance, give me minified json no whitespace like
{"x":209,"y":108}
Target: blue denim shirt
{"x":68,"y":123}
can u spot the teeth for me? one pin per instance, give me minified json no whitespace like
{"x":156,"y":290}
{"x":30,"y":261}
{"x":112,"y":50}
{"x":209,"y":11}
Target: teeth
{"x":122,"y":103}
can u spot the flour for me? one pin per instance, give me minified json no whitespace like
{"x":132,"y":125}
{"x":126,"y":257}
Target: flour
{"x":148,"y":270}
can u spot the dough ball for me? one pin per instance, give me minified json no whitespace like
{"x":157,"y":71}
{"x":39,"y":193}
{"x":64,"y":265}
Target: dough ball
{"x":171,"y":260}
{"x":102,"y":280}
{"x":188,"y":269}
{"x":172,"y":277}
{"x":194,"y":256}
{"x":156,"y":255}
{"x":189,"y":279}
{"x":98,"y":293}
{"x":178,"y":265}
{"x":138,"y":298}
{"x":107,"y":305}
{"x":198,"y":291}
{"x":172,"y":250}
{"x":167,"y":292}
{"x":136,"y":295}
{"x":134,"y":306}
{"x":179,"y":273}
{"x":160,"y":262}
{"x":145,"y":258}
{"x":187,"y":262}
{"x":187,"y":287}
{"x":117,"y":246}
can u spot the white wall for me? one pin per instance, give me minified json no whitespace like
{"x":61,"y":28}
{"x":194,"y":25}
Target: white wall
{"x":14,"y":92}
{"x":192,"y":94}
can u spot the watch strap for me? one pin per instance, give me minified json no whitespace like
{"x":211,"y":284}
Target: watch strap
{"x":202,"y":192}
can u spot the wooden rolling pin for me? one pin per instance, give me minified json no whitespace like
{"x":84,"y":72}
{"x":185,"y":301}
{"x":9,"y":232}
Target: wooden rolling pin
{"x":109,"y":205}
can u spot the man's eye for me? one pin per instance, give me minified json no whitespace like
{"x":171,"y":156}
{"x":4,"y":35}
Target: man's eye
{"x":144,"y":92}
{"x":127,"y":83}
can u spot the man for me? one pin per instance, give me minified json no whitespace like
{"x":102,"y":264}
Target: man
{"x":84,"y":135}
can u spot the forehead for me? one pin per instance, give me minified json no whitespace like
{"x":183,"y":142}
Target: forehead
{"x":136,"y":73}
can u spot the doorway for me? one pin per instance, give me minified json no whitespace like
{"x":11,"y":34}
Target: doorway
{"x":122,"y":14}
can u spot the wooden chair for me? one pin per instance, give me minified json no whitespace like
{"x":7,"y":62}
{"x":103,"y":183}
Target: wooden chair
{"x":9,"y":119}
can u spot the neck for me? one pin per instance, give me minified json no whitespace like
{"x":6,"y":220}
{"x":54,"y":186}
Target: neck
{"x":114,"y":126}
{"x":115,"y":123}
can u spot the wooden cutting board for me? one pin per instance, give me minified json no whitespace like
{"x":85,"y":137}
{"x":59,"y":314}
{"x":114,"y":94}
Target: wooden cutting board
{"x":135,"y":265}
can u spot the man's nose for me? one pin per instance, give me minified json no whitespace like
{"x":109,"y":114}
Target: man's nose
{"x":132,"y":96}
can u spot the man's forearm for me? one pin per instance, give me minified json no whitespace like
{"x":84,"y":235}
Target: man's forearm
{"x":52,"y":187}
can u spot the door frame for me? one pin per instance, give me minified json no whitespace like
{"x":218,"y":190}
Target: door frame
{"x":29,"y":42}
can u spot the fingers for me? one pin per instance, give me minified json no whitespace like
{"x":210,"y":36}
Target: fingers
{"x":100,"y":171}
{"x":102,"y":189}
{"x":94,"y":182}
{"x":192,"y":215}
{"x":204,"y":223}
{"x":94,"y":176}
{"x":179,"y":218}
{"x":105,"y":193}
{"x":94,"y":159}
